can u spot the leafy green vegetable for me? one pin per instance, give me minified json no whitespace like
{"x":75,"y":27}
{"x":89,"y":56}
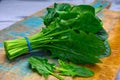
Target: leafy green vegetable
{"x":72,"y":33}
{"x":73,"y":70}
{"x":43,"y":67}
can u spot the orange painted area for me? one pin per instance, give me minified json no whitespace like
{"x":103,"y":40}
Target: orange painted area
{"x":2,"y":56}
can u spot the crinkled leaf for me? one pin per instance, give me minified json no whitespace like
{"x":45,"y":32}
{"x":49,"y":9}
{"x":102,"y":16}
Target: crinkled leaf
{"x":49,"y":17}
{"x":83,"y":9}
{"x":62,"y":7}
{"x":84,"y":20}
{"x":88,"y":23}
{"x":52,"y":13}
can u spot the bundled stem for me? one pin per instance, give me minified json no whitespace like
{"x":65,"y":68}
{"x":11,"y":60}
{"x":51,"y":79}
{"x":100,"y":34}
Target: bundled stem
{"x":17,"y":47}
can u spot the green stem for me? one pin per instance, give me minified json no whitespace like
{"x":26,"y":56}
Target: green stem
{"x":17,"y":47}
{"x":41,"y":34}
{"x":57,"y":76}
{"x":58,"y":33}
{"x":98,"y":9}
{"x":41,"y":44}
{"x":60,"y":69}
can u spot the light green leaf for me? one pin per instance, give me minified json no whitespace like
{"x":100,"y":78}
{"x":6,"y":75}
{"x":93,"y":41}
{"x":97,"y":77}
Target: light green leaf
{"x":73,"y":70}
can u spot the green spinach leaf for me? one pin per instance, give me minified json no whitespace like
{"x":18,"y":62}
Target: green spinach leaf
{"x":43,"y":67}
{"x":73,"y":70}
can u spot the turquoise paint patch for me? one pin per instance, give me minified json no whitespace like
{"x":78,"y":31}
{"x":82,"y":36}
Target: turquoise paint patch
{"x":21,"y":63}
{"x":33,"y":22}
{"x":28,"y":32}
{"x":3,"y":68}
{"x":22,"y":66}
{"x":97,"y":4}
{"x":100,"y":3}
{"x":15,"y":34}
{"x":1,"y":45}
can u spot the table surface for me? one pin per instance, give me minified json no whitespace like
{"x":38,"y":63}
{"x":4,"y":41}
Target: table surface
{"x":12,"y":11}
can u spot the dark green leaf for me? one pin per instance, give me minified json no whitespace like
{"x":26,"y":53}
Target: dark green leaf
{"x":67,"y":16}
{"x":107,"y":51}
{"x":79,"y":48}
{"x":62,"y":7}
{"x":83,"y":9}
{"x":88,"y":23}
{"x":49,"y":17}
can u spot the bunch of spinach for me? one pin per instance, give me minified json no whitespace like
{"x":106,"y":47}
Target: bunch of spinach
{"x":72,"y":33}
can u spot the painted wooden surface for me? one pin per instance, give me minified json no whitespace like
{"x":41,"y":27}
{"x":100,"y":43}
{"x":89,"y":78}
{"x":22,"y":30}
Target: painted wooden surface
{"x":19,"y":69}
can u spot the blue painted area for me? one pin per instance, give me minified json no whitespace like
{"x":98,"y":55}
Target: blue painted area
{"x":22,"y":66}
{"x":1,"y":45}
{"x":15,"y":34}
{"x":28,"y":32}
{"x":33,"y":22}
{"x":4,"y":67}
{"x":21,"y":63}
{"x":99,"y":3}
{"x":25,"y":68}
